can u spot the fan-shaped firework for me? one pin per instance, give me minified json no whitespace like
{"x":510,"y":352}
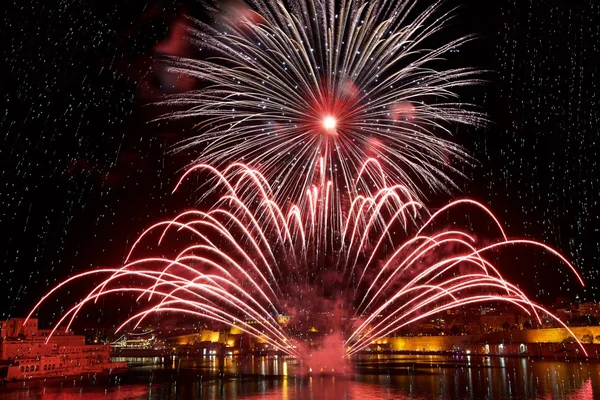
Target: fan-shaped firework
{"x":289,"y":82}
{"x":249,"y":259}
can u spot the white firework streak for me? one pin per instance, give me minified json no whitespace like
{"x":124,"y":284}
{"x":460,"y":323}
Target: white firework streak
{"x":291,"y":82}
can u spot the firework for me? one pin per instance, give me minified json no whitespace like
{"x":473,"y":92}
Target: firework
{"x":289,"y":83}
{"x":248,"y":259}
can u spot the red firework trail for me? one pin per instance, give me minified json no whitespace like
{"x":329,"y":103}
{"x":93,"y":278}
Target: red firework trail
{"x":248,"y":259}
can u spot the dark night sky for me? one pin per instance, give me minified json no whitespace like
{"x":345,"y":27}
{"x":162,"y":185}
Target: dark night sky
{"x":82,"y":172}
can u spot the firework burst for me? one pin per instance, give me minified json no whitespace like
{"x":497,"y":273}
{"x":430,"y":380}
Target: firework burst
{"x":291,"y":82}
{"x":249,"y":259}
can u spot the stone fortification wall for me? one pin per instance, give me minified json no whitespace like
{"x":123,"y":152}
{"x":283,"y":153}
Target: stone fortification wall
{"x":429,"y":343}
{"x":553,"y":335}
{"x":445,"y":343}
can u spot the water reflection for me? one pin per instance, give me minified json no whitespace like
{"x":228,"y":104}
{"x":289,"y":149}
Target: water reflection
{"x":375,"y":377}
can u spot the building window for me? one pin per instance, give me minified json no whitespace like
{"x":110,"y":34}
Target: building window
{"x":45,"y":367}
{"x":27,"y":368}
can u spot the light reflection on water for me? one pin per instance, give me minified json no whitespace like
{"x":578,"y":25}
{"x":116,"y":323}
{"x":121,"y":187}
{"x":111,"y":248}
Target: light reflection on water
{"x":375,"y":377}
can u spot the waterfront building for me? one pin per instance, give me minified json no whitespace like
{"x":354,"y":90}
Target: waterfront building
{"x":27,"y":352}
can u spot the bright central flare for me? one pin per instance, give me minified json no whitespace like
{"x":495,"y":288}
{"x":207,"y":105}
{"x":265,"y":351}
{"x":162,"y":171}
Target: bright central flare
{"x":329,"y":123}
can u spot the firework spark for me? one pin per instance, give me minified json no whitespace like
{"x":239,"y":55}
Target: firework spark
{"x":248,"y":259}
{"x":291,"y":82}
